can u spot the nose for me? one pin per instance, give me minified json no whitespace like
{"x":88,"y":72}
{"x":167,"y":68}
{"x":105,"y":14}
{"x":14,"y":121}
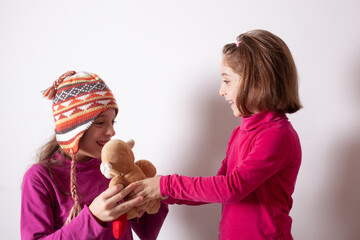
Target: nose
{"x":110,"y":131}
{"x":221,"y":92}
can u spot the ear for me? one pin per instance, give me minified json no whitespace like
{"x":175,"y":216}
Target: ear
{"x":131,"y":143}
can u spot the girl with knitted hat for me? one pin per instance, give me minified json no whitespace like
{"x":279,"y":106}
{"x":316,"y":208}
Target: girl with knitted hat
{"x":64,"y":195}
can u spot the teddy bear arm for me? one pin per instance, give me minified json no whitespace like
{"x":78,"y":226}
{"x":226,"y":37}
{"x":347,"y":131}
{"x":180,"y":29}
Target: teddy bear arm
{"x":132,"y":213}
{"x":153,"y":206}
{"x":146,"y":167}
{"x":116,"y":180}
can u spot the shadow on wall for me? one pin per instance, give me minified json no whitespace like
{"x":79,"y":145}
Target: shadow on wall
{"x":206,"y":150}
{"x":346,"y":188}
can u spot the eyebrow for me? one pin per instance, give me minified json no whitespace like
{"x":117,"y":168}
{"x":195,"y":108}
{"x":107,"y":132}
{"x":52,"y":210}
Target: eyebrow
{"x":103,"y":115}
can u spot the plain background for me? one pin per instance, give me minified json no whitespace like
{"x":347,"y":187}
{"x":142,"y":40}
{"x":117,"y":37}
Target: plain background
{"x":161,"y":59}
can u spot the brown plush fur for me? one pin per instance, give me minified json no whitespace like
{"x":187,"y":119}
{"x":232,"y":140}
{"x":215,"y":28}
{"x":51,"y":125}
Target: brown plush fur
{"x":126,"y":171}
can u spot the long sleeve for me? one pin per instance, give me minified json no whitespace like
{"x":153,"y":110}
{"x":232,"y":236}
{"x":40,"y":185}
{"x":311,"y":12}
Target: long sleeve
{"x":149,"y":225}
{"x":222,"y":170}
{"x":270,"y":153}
{"x":37,"y":213}
{"x":170,"y":200}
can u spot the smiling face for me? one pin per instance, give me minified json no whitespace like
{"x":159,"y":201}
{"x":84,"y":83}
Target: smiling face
{"x":96,"y":136}
{"x":230,"y":82}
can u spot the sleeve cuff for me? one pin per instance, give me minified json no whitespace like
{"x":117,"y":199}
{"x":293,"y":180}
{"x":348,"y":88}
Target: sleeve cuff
{"x":164,"y":190}
{"x":93,"y":223}
{"x":164,"y":186}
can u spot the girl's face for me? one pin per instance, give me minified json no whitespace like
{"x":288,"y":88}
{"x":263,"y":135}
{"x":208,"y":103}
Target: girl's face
{"x":96,"y":136}
{"x":230,"y":82}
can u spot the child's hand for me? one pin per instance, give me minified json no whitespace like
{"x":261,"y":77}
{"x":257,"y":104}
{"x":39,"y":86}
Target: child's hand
{"x":148,"y":188}
{"x":108,"y":206}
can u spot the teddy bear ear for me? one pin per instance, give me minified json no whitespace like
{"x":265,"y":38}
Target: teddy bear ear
{"x":131,"y":143}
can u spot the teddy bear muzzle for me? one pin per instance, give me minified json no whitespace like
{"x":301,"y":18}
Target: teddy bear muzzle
{"x":105,"y":169}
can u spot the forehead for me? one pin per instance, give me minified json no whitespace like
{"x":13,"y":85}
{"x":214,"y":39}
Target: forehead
{"x":227,"y":71}
{"x":108,"y":113}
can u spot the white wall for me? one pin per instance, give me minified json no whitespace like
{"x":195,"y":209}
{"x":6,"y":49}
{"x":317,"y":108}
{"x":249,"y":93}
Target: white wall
{"x":161,"y":59}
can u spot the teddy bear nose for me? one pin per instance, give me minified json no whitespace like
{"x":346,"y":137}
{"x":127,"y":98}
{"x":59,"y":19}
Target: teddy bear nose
{"x":105,"y":169}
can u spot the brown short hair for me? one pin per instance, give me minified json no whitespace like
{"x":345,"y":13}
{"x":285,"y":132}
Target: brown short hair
{"x":267,"y":71}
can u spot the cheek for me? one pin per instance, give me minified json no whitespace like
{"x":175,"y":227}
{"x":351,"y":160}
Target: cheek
{"x":233,"y":93}
{"x":235,"y":89}
{"x":88,"y":138}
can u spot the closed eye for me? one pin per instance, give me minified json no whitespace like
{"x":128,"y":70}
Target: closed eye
{"x":99,"y":123}
{"x":226,"y":82}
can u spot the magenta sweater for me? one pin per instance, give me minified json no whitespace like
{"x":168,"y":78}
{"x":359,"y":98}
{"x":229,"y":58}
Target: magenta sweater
{"x":45,"y":207}
{"x":254,"y":184}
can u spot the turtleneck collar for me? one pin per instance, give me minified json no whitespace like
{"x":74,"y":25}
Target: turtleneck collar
{"x":252,"y":122}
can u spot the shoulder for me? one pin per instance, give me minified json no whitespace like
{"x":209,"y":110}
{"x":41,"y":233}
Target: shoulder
{"x":37,"y":169}
{"x":37,"y":173}
{"x":280,"y":128}
{"x":279,"y":135}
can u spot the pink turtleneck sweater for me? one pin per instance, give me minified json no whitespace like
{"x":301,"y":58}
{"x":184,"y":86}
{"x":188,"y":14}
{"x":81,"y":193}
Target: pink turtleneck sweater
{"x":254,"y":184}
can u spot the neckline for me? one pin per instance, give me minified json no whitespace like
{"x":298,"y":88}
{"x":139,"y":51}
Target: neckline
{"x":79,"y":165}
{"x":254,"y":121}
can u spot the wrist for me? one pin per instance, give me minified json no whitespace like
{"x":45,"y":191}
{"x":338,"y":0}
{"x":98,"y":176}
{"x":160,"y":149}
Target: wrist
{"x":163,"y":182}
{"x":102,"y":223}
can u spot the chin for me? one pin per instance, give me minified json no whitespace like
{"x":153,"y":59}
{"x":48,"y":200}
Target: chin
{"x":237,"y":114}
{"x":84,"y":156}
{"x":97,"y":156}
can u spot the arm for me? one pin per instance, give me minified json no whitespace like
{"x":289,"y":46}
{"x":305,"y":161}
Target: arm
{"x":153,"y":184}
{"x":272,"y":151}
{"x":39,"y":202}
{"x":149,"y":225}
{"x":170,"y":200}
{"x":37,"y":219}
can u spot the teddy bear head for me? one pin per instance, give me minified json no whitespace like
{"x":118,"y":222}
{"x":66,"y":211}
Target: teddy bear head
{"x":117,"y":158}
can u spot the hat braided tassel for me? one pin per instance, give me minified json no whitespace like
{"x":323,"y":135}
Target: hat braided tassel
{"x":76,"y":209}
{"x":50,"y":92}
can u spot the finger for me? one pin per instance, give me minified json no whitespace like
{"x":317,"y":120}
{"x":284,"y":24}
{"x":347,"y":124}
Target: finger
{"x":124,"y":192}
{"x":148,"y":197}
{"x":110,"y":192}
{"x":136,"y":192}
{"x":140,"y":213}
{"x":126,"y":206}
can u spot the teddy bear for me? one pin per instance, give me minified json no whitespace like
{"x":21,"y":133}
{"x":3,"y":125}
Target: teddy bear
{"x":118,"y":164}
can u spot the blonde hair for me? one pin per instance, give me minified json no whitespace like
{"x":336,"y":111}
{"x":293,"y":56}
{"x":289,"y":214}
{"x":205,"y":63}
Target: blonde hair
{"x":267,"y":71}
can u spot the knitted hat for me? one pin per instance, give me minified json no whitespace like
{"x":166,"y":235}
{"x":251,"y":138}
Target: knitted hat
{"x":78,"y":98}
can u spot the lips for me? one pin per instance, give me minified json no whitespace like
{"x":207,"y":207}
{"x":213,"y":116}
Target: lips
{"x":101,"y":143}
